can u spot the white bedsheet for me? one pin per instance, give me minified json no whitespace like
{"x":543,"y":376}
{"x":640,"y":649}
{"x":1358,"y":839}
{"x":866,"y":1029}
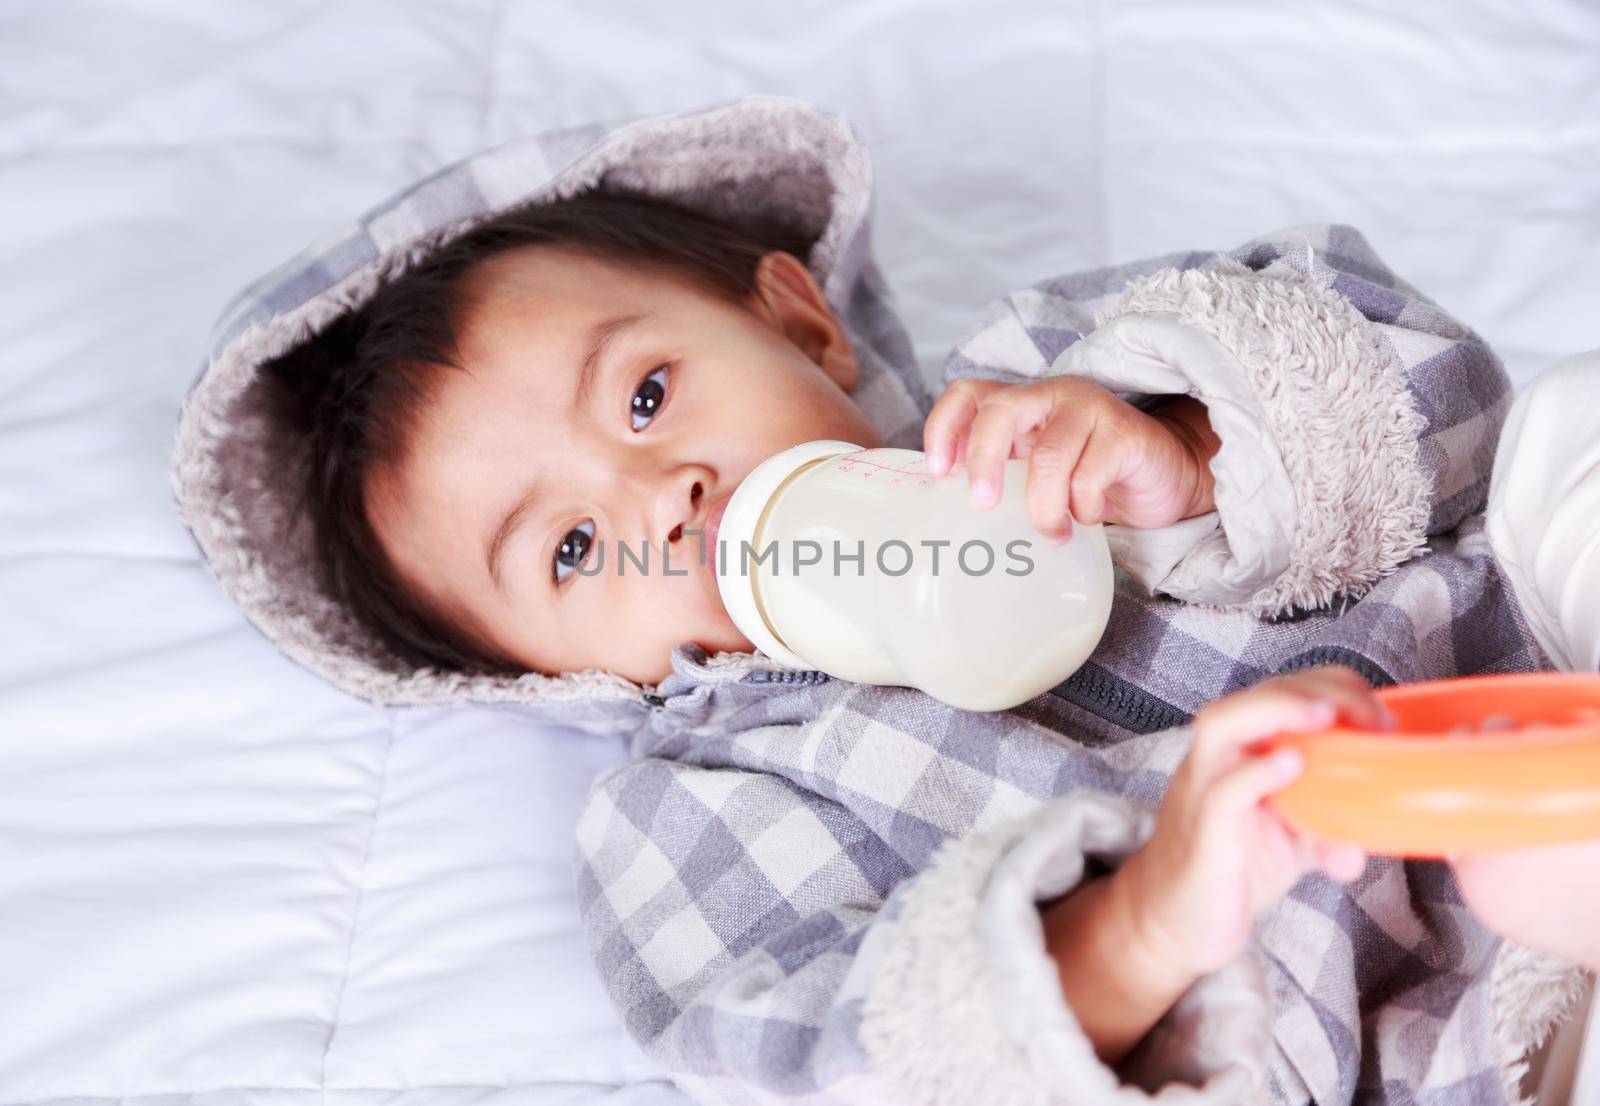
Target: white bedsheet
{"x":222,"y":882}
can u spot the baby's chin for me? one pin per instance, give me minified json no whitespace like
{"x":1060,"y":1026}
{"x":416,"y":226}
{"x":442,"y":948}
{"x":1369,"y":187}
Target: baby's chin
{"x":736,"y":644}
{"x":719,"y":635}
{"x":724,"y":637}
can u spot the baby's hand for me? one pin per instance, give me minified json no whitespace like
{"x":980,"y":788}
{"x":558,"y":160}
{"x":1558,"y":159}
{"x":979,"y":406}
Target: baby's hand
{"x":1548,"y":898}
{"x":1218,"y":854}
{"x":1089,"y":452}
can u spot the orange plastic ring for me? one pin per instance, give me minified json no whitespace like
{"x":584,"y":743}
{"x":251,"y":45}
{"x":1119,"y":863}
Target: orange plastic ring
{"x":1431,"y":790}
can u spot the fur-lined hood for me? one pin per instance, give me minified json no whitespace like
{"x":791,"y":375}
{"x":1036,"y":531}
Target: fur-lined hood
{"x":757,"y":157}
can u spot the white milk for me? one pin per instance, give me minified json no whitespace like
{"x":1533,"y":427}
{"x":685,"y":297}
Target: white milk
{"x":976,"y":608}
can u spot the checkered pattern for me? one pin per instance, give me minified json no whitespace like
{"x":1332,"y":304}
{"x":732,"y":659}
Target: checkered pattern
{"x":1456,"y":380}
{"x":736,"y":875}
{"x":730,"y":874}
{"x":557,"y":162}
{"x":759,"y":162}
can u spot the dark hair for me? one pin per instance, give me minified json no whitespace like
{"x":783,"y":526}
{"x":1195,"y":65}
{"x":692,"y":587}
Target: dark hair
{"x":353,"y":392}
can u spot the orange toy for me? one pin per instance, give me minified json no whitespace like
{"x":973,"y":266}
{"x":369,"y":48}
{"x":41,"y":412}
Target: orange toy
{"x":1439,"y":786}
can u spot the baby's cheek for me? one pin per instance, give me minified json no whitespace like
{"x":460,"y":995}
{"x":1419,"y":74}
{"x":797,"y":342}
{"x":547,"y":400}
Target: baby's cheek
{"x":655,"y":613}
{"x":704,"y":617}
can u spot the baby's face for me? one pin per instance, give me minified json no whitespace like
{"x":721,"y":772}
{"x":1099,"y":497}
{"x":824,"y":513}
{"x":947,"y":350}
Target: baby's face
{"x":525,"y":459}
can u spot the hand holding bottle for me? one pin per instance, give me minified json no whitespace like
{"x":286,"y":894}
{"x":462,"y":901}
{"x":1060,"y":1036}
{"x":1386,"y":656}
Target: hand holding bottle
{"x":1091,"y":455}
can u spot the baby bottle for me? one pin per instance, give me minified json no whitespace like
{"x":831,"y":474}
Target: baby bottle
{"x":861,"y":563}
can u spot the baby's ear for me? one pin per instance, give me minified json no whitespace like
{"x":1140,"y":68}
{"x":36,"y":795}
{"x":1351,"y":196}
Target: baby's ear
{"x":789,"y":296}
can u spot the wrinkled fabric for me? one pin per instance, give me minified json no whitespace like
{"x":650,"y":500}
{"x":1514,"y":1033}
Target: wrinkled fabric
{"x":764,"y":161}
{"x":768,"y":882}
{"x":746,"y":876}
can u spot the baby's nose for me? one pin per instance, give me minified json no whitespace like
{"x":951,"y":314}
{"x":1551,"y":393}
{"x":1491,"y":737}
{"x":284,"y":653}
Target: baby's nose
{"x":679,"y":515}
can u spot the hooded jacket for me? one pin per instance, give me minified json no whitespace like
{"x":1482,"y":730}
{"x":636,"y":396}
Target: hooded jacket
{"x":804,"y":889}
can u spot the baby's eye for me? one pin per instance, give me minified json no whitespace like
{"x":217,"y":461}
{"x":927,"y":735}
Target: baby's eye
{"x":648,"y":397}
{"x":573,"y":549}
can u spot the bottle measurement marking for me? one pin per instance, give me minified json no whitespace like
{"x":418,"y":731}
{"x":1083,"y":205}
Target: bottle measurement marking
{"x":899,"y":474}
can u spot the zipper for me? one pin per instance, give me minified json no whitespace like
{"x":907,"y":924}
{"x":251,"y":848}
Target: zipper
{"x":785,"y":676}
{"x":1121,"y":702}
{"x":807,"y":676}
{"x":1106,"y":695}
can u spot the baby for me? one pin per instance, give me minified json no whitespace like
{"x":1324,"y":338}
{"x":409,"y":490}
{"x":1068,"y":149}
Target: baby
{"x":807,"y":889}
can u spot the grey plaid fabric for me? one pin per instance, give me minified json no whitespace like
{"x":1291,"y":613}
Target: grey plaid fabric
{"x":1456,"y":380}
{"x":759,"y":162}
{"x":736,"y":874}
{"x":457,"y":196}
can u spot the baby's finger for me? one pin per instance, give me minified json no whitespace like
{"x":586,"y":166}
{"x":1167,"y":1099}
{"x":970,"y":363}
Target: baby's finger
{"x":1238,"y":791}
{"x":1306,"y":857}
{"x":1354,"y":699}
{"x":949,"y":420}
{"x":1224,"y":728}
{"x":961,"y":449}
{"x":1096,"y":473}
{"x":1051,"y":464}
{"x":1000,"y":419}
{"x":1340,"y":861}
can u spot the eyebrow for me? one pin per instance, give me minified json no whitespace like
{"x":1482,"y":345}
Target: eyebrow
{"x":600,"y":336}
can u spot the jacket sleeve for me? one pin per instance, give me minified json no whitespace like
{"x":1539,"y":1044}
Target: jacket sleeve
{"x":1544,"y":510}
{"x":1356,"y":417}
{"x":767,"y":944}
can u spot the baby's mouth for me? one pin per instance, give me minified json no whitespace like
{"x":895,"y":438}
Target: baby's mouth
{"x":713,"y":526}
